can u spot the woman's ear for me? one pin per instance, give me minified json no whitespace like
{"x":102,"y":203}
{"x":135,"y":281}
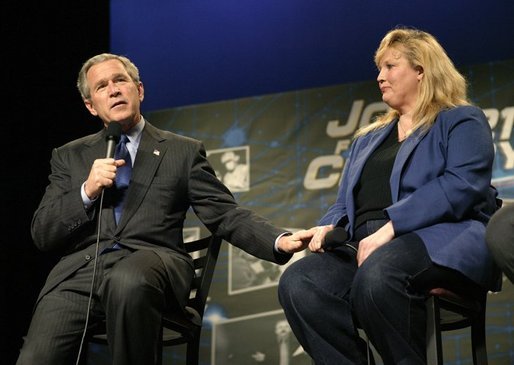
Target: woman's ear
{"x":420,"y":71}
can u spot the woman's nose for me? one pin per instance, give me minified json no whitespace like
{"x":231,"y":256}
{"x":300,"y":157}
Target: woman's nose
{"x":380,"y":78}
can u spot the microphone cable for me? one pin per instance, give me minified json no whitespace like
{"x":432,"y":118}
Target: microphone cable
{"x":112,"y":136}
{"x":95,"y":263}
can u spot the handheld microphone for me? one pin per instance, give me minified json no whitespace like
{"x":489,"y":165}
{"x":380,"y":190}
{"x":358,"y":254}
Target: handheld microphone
{"x":113,"y":136}
{"x":338,"y":237}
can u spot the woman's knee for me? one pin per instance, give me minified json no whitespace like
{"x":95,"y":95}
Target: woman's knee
{"x":299,"y":288}
{"x":291,"y":282}
{"x":370,"y":282}
{"x":312,"y":282}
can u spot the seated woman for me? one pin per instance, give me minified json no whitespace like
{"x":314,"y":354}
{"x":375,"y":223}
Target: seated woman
{"x":415,"y":198}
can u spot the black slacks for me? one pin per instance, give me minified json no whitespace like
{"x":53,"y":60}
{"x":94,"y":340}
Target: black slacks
{"x":500,"y":239}
{"x":130,"y":292}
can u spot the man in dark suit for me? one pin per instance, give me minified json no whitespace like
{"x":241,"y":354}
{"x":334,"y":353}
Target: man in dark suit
{"x":139,"y":263}
{"x":500,"y":239}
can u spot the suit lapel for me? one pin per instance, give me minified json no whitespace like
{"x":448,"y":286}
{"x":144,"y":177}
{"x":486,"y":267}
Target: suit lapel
{"x":148,"y":158}
{"x":94,"y":148}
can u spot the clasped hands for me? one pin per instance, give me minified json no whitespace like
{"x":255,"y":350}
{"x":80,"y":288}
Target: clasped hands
{"x":314,"y":239}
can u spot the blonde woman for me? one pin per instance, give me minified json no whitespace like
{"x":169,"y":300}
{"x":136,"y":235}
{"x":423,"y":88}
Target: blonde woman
{"x":414,"y":202}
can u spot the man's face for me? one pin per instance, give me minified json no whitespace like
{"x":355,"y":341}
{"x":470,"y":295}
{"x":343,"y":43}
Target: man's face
{"x":115,"y":97}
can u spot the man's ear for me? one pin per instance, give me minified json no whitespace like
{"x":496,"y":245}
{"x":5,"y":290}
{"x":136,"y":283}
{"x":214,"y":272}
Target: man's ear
{"x":141,"y":91}
{"x":90,"y":107}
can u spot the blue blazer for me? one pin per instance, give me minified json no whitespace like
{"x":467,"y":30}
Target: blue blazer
{"x":440,"y":186}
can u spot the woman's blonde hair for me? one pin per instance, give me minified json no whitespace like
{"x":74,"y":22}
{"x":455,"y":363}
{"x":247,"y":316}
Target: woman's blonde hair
{"x":82,"y":80}
{"x":441,"y":87}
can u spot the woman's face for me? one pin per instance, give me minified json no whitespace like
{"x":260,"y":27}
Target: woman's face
{"x":398,"y":81}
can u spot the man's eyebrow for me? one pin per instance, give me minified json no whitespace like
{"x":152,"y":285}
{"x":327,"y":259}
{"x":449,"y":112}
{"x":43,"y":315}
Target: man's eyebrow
{"x":114,"y":76}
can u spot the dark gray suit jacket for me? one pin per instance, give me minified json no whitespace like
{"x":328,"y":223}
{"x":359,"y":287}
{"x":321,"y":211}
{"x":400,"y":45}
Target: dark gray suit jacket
{"x":171,"y":173}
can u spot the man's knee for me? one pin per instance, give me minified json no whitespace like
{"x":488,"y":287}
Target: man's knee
{"x":40,"y":352}
{"x":500,"y":239}
{"x":500,"y":230}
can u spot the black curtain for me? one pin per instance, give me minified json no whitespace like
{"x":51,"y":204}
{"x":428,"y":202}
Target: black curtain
{"x":43,"y":47}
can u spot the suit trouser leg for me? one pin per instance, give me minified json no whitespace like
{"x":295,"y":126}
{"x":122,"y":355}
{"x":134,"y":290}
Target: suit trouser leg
{"x":500,"y":239}
{"x":133,"y":294}
{"x":58,"y":320}
{"x":130,"y":288}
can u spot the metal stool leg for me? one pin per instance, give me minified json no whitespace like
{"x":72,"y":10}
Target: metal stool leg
{"x":434,"y":343}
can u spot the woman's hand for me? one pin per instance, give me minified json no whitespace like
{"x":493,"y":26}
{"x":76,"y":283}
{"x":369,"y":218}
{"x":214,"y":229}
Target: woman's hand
{"x":374,"y":241}
{"x":318,"y":240}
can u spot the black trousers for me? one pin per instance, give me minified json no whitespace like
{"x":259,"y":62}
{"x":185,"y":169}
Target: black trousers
{"x":130,"y":292}
{"x":500,"y":239}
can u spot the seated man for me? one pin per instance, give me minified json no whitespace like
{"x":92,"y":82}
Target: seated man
{"x":124,"y":258}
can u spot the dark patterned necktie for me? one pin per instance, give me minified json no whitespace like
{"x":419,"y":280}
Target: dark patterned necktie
{"x":123,"y":174}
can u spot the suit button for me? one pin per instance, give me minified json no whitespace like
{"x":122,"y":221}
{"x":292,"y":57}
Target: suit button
{"x":88,"y":257}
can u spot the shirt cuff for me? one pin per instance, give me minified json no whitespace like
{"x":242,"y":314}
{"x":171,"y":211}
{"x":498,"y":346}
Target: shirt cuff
{"x":88,"y":203}
{"x":276,"y":241}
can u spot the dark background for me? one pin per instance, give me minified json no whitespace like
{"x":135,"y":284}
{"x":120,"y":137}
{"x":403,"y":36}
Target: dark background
{"x":43,"y":46}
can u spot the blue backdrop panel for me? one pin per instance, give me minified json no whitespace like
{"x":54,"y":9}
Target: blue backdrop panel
{"x":196,"y":51}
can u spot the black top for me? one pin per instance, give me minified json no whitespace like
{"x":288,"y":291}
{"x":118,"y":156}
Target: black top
{"x":373,"y":191}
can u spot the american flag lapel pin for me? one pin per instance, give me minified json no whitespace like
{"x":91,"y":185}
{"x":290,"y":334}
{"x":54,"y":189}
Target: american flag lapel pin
{"x":156,"y":152}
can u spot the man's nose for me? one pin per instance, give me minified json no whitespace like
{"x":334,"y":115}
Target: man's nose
{"x":113,"y":89}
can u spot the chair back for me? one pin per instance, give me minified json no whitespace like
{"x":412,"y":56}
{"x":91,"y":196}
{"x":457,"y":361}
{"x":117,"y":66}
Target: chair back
{"x":447,"y":311}
{"x":205,"y":253}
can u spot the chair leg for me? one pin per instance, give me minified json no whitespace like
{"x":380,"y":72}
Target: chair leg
{"x":193,"y":348}
{"x":434,"y":343}
{"x":478,"y":341}
{"x":161,"y":348}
